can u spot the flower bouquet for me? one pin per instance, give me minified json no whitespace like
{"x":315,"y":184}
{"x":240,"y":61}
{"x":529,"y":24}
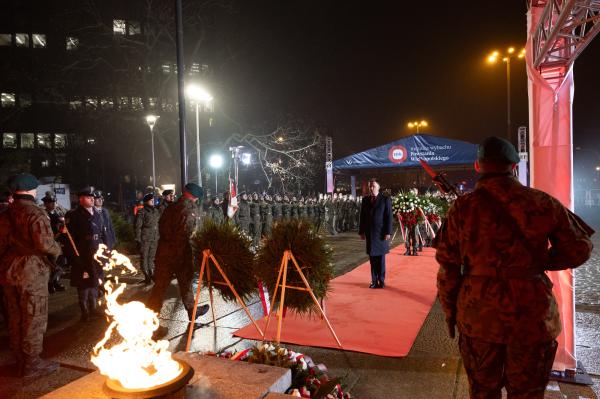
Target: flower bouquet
{"x":406,"y":206}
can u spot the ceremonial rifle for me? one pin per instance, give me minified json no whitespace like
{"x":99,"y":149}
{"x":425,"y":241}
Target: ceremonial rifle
{"x":439,"y":179}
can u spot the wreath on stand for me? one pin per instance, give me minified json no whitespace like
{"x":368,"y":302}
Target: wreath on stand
{"x":406,"y":205}
{"x":314,"y":257}
{"x":231,"y":248}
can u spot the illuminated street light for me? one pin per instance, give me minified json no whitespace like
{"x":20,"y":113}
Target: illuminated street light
{"x":151,"y":121}
{"x":246,"y":158}
{"x":598,"y":168}
{"x":280,"y":139}
{"x":492,"y":59}
{"x":417,"y":124}
{"x":199,"y":96}
{"x":216,"y":162}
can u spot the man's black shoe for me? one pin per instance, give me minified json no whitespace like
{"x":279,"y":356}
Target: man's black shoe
{"x":380,"y":284}
{"x":373,"y":285}
{"x":200,"y":311}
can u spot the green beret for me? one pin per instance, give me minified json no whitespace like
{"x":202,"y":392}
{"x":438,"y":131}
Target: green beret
{"x":148,"y":197}
{"x":194,"y":189}
{"x":22,"y":182}
{"x":496,"y":149}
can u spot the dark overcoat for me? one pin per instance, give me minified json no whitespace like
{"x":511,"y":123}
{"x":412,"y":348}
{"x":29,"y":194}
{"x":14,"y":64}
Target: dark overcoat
{"x":376,"y":223}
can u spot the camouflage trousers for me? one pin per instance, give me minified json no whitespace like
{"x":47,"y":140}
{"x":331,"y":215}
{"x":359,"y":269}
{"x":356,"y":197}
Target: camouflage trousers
{"x":147,"y":254}
{"x":27,"y":308}
{"x":169,"y":263}
{"x":524,"y":369}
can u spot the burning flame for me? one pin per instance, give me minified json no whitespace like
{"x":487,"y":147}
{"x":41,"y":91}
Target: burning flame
{"x":137,"y":361}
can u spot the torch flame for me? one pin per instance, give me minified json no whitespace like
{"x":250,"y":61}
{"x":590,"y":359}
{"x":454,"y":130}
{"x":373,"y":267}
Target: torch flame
{"x":137,"y":361}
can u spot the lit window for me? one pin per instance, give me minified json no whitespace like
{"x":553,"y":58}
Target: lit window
{"x":39,"y":40}
{"x":60,"y":141}
{"x":75,"y":105}
{"x":5,"y":39}
{"x":27,"y":140}
{"x":123,"y":102}
{"x":60,"y":160}
{"x":134,"y":28}
{"x":136,"y":103}
{"x":72,"y":43}
{"x":45,"y":163}
{"x":9,"y":140}
{"x":166,"y":68}
{"x":195,"y":69}
{"x":107,"y":103}
{"x":91,"y":103}
{"x":22,"y":39}
{"x":119,"y":27}
{"x":44,"y":140}
{"x":7,"y":99}
{"x":91,"y":141}
{"x":24,"y":100}
{"x":152,"y":102}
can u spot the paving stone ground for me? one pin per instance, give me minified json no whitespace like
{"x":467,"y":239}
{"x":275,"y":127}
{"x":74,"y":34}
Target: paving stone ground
{"x":433,"y":368}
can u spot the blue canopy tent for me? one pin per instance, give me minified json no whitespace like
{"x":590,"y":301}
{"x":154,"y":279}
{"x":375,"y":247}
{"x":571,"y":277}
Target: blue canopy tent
{"x":405,"y":153}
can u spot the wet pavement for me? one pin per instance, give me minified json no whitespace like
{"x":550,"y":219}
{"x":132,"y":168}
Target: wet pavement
{"x":433,"y":368}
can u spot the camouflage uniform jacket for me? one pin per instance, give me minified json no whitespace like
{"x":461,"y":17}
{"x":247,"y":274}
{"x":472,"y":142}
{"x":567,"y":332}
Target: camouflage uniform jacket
{"x":27,"y":243}
{"x":243,"y":213}
{"x":277,"y":211}
{"x":146,"y":224}
{"x":215,"y":213}
{"x":176,"y":225}
{"x":501,"y":294}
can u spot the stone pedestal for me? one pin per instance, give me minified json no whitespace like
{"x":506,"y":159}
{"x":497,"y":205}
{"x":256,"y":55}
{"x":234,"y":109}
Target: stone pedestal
{"x":213,"y":378}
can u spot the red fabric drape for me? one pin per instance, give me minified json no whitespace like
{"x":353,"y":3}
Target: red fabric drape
{"x":551,"y":161}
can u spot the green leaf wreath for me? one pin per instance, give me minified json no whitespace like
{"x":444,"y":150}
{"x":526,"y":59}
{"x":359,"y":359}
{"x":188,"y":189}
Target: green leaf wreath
{"x":232,"y":250}
{"x":313,"y":255}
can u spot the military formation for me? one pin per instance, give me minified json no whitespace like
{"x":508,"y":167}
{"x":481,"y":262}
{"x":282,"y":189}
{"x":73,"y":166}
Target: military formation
{"x":330,"y":214}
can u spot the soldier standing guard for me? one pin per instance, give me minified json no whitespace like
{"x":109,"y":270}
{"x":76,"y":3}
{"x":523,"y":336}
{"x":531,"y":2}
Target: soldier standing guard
{"x":286,"y":208}
{"x":85,"y":225}
{"x":266,"y":215}
{"x":146,"y":236}
{"x":215,"y":212}
{"x":108,"y":230}
{"x":174,"y":253}
{"x":243,"y":214}
{"x":493,"y":253}
{"x":57,"y":222}
{"x":294,"y":209}
{"x":26,"y":245}
{"x":255,"y":221}
{"x":277,"y":211}
{"x":302,"y":210}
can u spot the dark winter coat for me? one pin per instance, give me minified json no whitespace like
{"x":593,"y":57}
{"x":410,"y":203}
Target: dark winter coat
{"x":376,"y":223}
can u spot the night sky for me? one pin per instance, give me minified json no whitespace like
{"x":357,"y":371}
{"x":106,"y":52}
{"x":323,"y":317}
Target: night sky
{"x":365,"y":69}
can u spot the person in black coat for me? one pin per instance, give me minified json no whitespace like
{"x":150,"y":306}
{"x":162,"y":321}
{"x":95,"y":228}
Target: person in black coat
{"x":110,"y":238}
{"x":86,"y":227}
{"x":376,"y":228}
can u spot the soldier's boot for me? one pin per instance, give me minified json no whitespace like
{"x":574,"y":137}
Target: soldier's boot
{"x":38,"y":367}
{"x":407,"y":252}
{"x":415,"y":253}
{"x":201,"y":310}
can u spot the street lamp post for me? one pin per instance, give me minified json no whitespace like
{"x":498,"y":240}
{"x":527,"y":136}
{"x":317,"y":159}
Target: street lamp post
{"x":151,"y":121}
{"x":417,"y":124}
{"x":198,"y":95}
{"x":216,"y":161}
{"x":510,"y":54}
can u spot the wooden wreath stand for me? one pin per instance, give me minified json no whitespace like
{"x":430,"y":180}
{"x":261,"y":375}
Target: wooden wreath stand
{"x":282,"y":278}
{"x":206,"y":257}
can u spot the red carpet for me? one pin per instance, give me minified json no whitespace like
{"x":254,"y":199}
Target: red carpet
{"x":379,"y":321}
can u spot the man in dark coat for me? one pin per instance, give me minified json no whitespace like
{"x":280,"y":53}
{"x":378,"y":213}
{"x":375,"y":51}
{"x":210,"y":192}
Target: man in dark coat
{"x":174,"y":253}
{"x":86,"y":227}
{"x":27,"y":250}
{"x":376,"y":229}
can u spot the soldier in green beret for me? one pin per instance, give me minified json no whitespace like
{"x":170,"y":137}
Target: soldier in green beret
{"x":493,"y":252}
{"x":146,"y":236}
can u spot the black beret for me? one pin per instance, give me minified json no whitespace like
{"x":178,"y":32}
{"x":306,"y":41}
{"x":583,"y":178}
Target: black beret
{"x":148,"y":197}
{"x":86,"y":192}
{"x":49,"y":198}
{"x":167,"y":192}
{"x":22,"y":182}
{"x":497,"y":149}
{"x":98,"y":194}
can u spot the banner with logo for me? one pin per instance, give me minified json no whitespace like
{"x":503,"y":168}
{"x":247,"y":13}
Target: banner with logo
{"x":407,"y":151}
